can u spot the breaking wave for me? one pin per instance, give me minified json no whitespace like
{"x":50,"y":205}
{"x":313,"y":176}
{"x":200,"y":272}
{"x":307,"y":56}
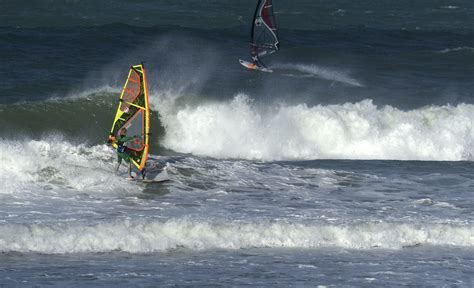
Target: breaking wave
{"x":240,"y":129}
{"x":152,"y":236}
{"x":37,"y":166}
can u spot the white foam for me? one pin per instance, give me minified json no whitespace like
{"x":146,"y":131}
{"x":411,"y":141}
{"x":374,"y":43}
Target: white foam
{"x":321,"y":72}
{"x":142,"y":237}
{"x":28,"y":166}
{"x":239,"y":129}
{"x":430,"y":202}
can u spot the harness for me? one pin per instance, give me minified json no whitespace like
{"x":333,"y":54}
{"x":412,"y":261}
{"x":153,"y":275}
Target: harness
{"x":121,"y":144}
{"x":120,"y":147}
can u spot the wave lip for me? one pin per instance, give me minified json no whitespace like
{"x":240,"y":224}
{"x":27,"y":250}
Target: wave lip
{"x":145,"y":237}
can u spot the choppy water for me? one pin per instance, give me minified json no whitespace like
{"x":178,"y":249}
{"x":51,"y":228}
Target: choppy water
{"x":350,"y":165}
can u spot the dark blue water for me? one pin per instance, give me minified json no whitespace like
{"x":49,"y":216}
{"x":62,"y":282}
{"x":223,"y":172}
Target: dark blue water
{"x":349,"y":165}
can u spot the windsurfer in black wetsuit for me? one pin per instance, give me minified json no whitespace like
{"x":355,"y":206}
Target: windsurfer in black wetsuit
{"x":254,"y":54}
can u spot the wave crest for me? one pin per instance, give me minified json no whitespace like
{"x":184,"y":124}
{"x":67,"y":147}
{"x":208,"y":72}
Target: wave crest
{"x":239,"y":129}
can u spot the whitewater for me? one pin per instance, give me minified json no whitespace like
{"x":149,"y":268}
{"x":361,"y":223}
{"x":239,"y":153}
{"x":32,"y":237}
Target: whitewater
{"x":305,"y":181}
{"x":348,"y":166}
{"x":56,"y":202}
{"x":240,"y":129}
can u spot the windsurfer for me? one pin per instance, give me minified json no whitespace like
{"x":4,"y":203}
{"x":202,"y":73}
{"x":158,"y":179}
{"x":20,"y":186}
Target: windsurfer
{"x":122,"y":154}
{"x":254,"y":54}
{"x":263,"y":36}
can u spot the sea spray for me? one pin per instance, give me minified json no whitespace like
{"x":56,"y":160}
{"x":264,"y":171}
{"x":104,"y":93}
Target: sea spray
{"x":312,"y":70}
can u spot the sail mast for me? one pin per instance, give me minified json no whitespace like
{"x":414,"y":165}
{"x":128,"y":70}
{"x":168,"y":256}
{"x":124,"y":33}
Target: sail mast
{"x":255,"y":15}
{"x":264,"y":37}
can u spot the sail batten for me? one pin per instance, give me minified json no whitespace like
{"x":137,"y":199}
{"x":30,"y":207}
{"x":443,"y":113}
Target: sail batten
{"x":133,"y":116}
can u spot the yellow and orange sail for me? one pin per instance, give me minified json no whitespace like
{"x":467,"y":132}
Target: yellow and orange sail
{"x":133,"y":114}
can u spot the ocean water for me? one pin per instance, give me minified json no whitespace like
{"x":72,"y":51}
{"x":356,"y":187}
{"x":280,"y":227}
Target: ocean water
{"x":349,"y":165}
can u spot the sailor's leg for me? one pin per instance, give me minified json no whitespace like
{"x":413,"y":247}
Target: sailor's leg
{"x":119,"y":161}
{"x":143,"y":172}
{"x":130,"y":169}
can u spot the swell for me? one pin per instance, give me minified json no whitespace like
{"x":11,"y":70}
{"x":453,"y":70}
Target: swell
{"x":95,"y":56}
{"x":427,"y":15}
{"x":87,"y":118}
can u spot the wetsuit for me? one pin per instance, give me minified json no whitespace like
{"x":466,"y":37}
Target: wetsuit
{"x":121,"y":154}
